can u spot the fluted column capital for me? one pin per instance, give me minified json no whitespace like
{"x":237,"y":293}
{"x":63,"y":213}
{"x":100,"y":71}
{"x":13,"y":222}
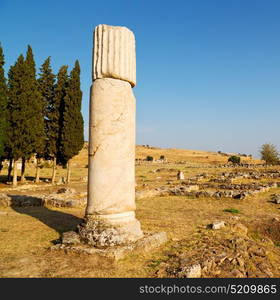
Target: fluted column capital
{"x":114,"y":53}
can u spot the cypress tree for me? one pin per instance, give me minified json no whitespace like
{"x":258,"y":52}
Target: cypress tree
{"x":72,"y":135}
{"x":3,"y":105}
{"x":51,"y":113}
{"x":33,"y":107}
{"x":56,"y":117}
{"x":25,"y":112}
{"x":15,"y":113}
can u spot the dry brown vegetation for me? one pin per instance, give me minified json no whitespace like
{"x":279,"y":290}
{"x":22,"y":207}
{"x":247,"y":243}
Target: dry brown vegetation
{"x":189,"y":156}
{"x":27,"y":233}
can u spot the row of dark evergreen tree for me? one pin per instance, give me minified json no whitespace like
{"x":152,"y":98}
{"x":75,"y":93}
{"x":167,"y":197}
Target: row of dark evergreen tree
{"x":39,"y":116}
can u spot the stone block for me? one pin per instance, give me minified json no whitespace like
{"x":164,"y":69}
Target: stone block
{"x":144,"y":245}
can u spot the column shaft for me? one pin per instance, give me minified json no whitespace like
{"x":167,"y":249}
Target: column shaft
{"x":111,"y":186}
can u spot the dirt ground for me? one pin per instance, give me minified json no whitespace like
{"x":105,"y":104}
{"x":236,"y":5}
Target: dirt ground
{"x":27,"y":233}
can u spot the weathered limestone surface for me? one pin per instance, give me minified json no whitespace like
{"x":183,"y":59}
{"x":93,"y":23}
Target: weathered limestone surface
{"x":71,"y":242}
{"x":110,"y":218}
{"x":112,"y":147}
{"x":114,"y":54}
{"x":111,"y":186}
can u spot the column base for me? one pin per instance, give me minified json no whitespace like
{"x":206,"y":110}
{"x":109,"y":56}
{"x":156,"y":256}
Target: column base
{"x":109,"y":230}
{"x":146,"y":244}
{"x":113,"y":236}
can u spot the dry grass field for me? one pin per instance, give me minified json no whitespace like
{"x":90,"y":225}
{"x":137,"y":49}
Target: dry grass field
{"x":188,"y":156}
{"x":27,"y":233}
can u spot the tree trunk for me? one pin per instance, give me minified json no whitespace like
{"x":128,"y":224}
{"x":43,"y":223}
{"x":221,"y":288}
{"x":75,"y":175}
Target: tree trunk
{"x":54,"y":170}
{"x":15,"y":173}
{"x":10,"y":169}
{"x":22,"y":178}
{"x":37,"y":178}
{"x":68,"y":172}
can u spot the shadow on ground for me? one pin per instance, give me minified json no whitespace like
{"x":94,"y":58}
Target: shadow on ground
{"x":28,"y":179}
{"x":32,"y":206}
{"x":3,"y":178}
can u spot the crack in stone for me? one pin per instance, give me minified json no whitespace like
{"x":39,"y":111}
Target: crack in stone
{"x":119,"y":117}
{"x":94,"y":152}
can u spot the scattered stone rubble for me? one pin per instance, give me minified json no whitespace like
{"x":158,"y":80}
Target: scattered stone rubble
{"x":217,"y":225}
{"x":64,"y":197}
{"x":19,"y":200}
{"x":248,"y":175}
{"x":229,"y":177}
{"x":71,"y":242}
{"x":243,"y":165}
{"x":229,"y":191}
{"x":192,"y":187}
{"x":229,"y":253}
{"x":248,"y":186}
{"x":180,"y":175}
{"x":275,"y":198}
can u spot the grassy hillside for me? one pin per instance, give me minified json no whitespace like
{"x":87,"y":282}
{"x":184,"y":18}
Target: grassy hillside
{"x":172,"y":155}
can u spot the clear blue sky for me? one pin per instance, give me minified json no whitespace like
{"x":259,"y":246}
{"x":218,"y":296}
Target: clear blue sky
{"x":208,"y":71}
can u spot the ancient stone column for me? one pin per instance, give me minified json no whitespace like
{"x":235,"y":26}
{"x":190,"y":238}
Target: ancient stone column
{"x":110,"y":213}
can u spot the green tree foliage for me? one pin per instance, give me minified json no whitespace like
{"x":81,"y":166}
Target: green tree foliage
{"x":234,"y":159}
{"x":15,"y":115}
{"x":270,"y":154}
{"x":72,"y":134}
{"x":3,"y":103}
{"x":25,"y":110}
{"x":34,"y":110}
{"x":54,"y":113}
{"x":59,"y":98}
{"x":43,"y":117}
{"x":51,"y":109}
